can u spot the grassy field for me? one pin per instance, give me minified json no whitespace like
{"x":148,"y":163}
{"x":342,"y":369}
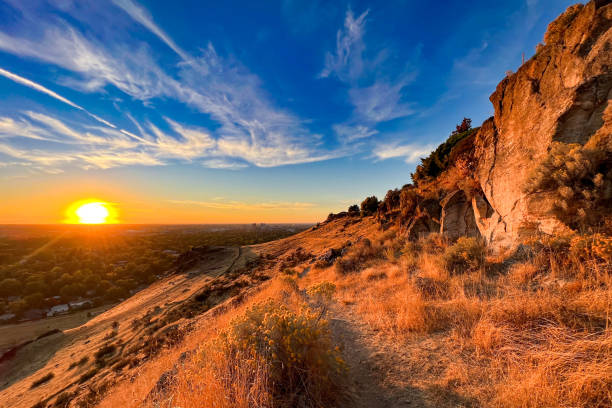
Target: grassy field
{"x":14,"y":334}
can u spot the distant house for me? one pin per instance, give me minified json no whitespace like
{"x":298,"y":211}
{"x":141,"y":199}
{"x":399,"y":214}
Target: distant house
{"x":81,"y":304}
{"x":58,"y":309}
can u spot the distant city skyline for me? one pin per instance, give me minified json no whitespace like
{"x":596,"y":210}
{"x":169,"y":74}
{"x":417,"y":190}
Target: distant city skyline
{"x":240,"y":112}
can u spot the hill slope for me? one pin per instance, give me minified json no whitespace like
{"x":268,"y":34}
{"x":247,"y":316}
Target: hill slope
{"x":485,"y":282}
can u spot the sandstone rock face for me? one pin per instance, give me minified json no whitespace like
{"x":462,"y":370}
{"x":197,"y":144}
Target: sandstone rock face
{"x":420,"y":226}
{"x":425,"y":220}
{"x":562,"y":94}
{"x":458,"y":216}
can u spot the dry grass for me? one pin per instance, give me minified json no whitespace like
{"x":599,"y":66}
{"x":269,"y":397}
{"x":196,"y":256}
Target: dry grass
{"x":270,"y":351}
{"x":529,"y":333}
{"x":518,"y":331}
{"x":219,"y":380}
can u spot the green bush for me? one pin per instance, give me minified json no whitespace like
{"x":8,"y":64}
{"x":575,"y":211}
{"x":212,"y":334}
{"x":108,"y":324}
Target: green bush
{"x":466,"y":254}
{"x":304,"y":367}
{"x":438,"y":161}
{"x":369,"y":206}
{"x":353,"y":209}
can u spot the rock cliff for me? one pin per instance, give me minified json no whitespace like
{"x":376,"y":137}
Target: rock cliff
{"x":562,"y":94}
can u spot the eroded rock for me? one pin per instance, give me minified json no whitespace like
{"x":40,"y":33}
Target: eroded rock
{"x":561,"y":94}
{"x":458,"y":216}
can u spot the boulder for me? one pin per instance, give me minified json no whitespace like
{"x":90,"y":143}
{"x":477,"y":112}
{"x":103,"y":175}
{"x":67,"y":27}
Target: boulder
{"x":562,"y":94}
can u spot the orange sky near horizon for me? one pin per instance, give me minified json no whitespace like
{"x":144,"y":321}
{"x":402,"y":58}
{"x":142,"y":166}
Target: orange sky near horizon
{"x":47,"y":204}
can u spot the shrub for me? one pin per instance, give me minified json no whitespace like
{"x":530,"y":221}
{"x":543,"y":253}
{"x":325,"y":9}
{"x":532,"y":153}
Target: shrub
{"x":408,"y":201}
{"x":89,"y":374}
{"x":438,"y":161}
{"x":63,"y":400}
{"x":466,"y":254}
{"x":579,"y":178}
{"x":78,"y":363}
{"x":302,"y":363}
{"x":104,"y":351}
{"x":10,"y":287}
{"x":357,"y":256}
{"x":391,"y":201}
{"x":47,"y":377}
{"x":369,"y":206}
{"x":353,"y":209}
{"x":322,"y":292}
{"x":592,"y":246}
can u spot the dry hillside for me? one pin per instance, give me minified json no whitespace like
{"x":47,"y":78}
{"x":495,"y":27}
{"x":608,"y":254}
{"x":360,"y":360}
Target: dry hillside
{"x":485,"y":282}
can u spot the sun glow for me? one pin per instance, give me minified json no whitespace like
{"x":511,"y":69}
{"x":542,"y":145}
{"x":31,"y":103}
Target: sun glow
{"x":91,"y":212}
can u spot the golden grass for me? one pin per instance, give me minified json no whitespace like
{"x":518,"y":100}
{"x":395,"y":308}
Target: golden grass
{"x":273,"y":350}
{"x":533,"y":332}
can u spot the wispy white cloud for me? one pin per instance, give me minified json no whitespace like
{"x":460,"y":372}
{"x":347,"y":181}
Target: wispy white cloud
{"x":411,"y":153}
{"x":37,"y":87}
{"x":223,"y":164}
{"x":352,"y":133}
{"x":239,"y":205}
{"x":375,"y":97}
{"x":251,"y":128}
{"x":380,"y":101}
{"x":130,"y":69}
{"x":141,"y":15}
{"x":347,"y":60}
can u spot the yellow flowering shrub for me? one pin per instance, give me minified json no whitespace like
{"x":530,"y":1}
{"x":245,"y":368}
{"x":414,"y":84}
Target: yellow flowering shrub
{"x":466,"y":254}
{"x":550,"y":244}
{"x":303,"y":364}
{"x":592,"y":246}
{"x":322,"y":292}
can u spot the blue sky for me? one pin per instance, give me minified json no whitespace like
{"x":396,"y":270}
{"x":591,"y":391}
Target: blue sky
{"x":277,"y":109}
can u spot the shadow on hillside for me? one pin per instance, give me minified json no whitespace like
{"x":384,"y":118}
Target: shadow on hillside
{"x":30,"y":358}
{"x":367,"y":377}
{"x":368,"y":374}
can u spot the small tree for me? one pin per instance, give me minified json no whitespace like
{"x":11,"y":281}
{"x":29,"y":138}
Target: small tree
{"x":464,"y":126}
{"x":353,"y":209}
{"x":10,"y":287}
{"x":369,"y":206}
{"x":408,"y":201}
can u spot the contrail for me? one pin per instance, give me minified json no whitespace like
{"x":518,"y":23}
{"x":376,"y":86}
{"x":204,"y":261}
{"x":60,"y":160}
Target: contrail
{"x":37,"y":87}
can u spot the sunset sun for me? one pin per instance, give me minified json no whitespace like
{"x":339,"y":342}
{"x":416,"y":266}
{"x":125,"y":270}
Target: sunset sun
{"x":92,"y":213}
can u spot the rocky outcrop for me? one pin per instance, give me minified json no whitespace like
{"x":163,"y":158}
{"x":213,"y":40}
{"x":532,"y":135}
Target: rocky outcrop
{"x":425,"y":220}
{"x":458,"y":216}
{"x":562,"y":94}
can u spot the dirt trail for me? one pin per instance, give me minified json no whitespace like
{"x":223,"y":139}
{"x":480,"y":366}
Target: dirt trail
{"x":374,"y":368}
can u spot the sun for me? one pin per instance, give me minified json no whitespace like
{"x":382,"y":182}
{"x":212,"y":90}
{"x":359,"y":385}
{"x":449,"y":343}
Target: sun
{"x":91,"y":212}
